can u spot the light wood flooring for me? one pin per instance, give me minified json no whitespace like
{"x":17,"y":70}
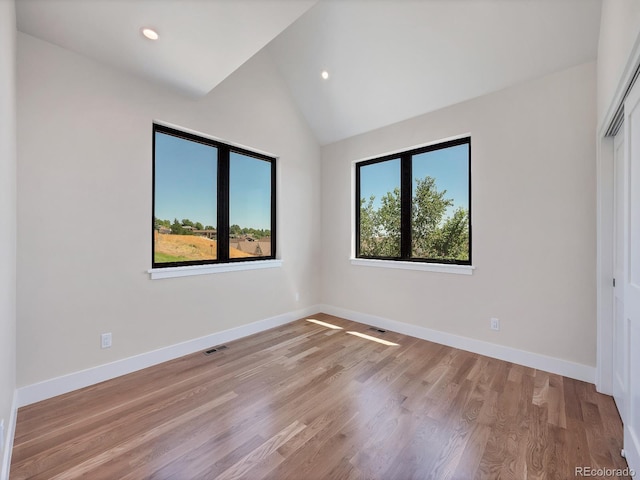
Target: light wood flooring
{"x":304,"y":401}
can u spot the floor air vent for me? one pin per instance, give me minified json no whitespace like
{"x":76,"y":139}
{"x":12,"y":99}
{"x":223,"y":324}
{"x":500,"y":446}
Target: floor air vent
{"x":215,"y":349}
{"x":379,"y":330}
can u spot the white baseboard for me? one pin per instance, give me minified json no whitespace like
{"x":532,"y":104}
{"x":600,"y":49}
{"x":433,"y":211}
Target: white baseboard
{"x":9,"y":436}
{"x":84,"y":378}
{"x":558,"y":366}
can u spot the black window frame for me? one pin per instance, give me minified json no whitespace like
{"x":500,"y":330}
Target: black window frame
{"x":224,"y":151}
{"x":406,"y":196}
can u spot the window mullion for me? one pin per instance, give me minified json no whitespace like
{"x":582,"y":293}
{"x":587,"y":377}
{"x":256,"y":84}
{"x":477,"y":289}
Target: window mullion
{"x":405,"y":206}
{"x":223,"y":205}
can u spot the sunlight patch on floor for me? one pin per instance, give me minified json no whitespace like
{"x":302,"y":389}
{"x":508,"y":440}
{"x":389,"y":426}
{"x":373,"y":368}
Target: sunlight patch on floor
{"x":374,"y":339}
{"x":324,"y":324}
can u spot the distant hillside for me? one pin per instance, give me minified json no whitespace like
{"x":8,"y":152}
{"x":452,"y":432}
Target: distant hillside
{"x":180,"y":248}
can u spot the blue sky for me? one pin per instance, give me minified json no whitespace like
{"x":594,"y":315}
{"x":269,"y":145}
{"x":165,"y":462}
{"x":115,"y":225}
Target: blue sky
{"x":448,"y":166}
{"x":186,"y":184}
{"x":378,"y":179}
{"x":249,"y":192}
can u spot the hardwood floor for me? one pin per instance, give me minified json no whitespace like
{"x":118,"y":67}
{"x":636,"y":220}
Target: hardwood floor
{"x":304,"y":401}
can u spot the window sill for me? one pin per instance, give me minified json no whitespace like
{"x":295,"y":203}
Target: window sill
{"x":425,"y":267}
{"x":172,"y":272}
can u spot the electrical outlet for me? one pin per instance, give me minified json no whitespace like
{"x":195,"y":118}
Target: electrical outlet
{"x":2,"y":435}
{"x":105,"y":340}
{"x":495,"y":324}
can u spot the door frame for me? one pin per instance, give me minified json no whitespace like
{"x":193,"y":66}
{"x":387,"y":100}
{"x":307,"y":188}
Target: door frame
{"x":619,"y":334}
{"x":605,"y":225}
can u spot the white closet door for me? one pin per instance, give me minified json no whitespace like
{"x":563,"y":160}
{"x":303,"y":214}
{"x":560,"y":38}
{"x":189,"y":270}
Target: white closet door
{"x":632,"y":274}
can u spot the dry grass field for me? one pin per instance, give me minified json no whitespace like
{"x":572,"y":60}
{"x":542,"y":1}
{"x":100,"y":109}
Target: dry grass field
{"x":177,"y":248}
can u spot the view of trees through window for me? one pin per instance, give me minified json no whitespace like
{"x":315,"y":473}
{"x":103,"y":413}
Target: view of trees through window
{"x":426,"y":218}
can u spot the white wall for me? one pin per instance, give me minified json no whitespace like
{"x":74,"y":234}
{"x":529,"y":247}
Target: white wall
{"x":619,"y":30}
{"x":533,"y":194}
{"x":84,"y":210}
{"x":7,"y":210}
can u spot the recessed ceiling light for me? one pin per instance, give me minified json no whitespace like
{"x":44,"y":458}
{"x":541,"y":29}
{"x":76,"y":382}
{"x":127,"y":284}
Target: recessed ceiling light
{"x":150,"y":33}
{"x":324,"y":74}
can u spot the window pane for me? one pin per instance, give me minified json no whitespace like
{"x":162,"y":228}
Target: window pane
{"x":185,"y":201}
{"x":380,"y":209}
{"x":249,"y":207}
{"x":440,"y":204}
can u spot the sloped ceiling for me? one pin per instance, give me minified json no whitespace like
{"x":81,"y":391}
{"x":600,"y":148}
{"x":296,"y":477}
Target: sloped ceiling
{"x":388,"y":60}
{"x":393,"y":60}
{"x":201,"y":41}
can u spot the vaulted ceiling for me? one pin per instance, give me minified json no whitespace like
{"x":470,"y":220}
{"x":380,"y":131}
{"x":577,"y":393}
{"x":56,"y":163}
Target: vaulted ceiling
{"x":387,"y":60}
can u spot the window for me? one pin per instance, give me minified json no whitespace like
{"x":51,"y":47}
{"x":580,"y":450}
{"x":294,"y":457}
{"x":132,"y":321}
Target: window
{"x":416,"y":205}
{"x":212,"y":202}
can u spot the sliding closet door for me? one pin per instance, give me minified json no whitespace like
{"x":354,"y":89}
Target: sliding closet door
{"x":632,"y":274}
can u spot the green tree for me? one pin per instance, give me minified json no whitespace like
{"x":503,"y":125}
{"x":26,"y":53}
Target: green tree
{"x":388,"y":226}
{"x":160,"y":223}
{"x":452,"y":240}
{"x":176,"y":227}
{"x":198,"y":226}
{"x":433,"y":236}
{"x":368,"y":231}
{"x":380,"y":229}
{"x":427,"y":210}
